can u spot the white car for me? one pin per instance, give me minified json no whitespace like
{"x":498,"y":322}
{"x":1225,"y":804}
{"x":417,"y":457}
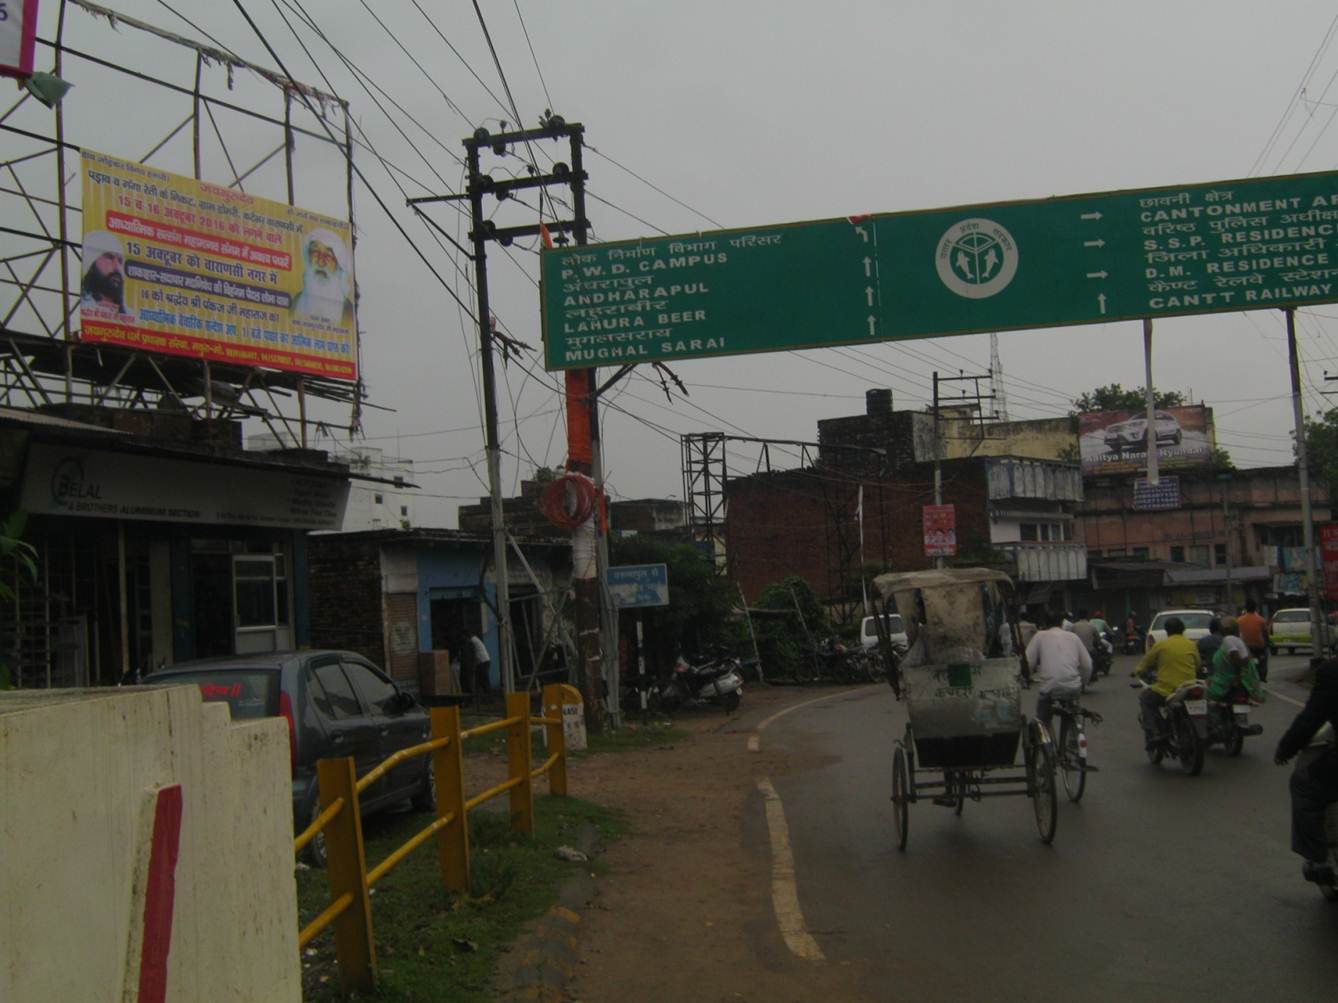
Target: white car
{"x":1195,"y":620}
{"x":896,"y":631}
{"x":1133,"y":432}
{"x":1290,"y":629}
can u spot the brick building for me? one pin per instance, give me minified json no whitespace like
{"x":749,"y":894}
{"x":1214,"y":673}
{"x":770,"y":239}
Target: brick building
{"x":523,"y":518}
{"x":397,"y":596}
{"x":1014,"y":512}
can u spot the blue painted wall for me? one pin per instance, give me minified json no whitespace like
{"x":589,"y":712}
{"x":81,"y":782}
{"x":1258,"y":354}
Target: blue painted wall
{"x":453,"y":573}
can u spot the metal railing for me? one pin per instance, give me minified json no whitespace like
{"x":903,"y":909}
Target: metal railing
{"x":340,"y":818}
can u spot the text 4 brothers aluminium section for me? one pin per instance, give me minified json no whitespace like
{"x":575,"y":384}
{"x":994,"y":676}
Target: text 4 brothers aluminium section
{"x":1081,"y":259}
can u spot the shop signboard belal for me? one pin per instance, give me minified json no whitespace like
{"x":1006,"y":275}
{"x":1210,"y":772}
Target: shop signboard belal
{"x":182,"y":267}
{"x":1115,"y":442}
{"x":98,"y":484}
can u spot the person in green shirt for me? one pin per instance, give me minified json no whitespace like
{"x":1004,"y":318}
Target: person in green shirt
{"x":1174,"y":661}
{"x":1232,"y":666}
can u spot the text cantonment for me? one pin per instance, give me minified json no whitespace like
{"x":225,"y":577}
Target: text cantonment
{"x":1082,"y":259}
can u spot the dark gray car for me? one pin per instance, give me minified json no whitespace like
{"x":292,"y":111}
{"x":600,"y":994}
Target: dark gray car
{"x":337,"y":703}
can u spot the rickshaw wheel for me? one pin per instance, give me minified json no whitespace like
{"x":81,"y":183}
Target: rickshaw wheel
{"x":900,"y":797}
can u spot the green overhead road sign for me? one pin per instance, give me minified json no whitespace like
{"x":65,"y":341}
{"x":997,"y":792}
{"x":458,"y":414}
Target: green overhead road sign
{"x":1079,"y":259}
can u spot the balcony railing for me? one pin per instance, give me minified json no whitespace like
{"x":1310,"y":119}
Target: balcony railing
{"x":1046,"y":562}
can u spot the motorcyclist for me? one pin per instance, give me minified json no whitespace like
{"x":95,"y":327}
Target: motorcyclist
{"x":1211,"y":641}
{"x":1314,"y":785}
{"x":1174,"y":660}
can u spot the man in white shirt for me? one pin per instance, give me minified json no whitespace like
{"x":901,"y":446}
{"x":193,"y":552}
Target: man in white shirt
{"x":1059,"y":664}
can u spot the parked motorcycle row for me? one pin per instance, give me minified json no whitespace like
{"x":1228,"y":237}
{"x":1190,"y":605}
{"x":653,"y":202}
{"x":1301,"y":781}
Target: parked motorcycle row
{"x":716,"y":682}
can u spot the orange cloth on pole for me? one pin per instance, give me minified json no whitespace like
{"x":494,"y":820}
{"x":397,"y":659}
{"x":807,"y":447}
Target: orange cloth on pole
{"x":580,"y":454}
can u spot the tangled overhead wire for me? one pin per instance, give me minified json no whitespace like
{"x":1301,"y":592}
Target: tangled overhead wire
{"x":569,"y":500}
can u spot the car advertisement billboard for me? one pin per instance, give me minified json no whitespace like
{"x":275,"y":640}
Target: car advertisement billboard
{"x":183,"y":267}
{"x":1115,"y":442}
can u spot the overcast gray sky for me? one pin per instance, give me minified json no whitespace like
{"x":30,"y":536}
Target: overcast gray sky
{"x":750,"y":113}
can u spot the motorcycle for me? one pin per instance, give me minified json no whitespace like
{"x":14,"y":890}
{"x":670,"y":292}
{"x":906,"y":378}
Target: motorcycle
{"x":1133,"y":641}
{"x":1182,"y":731}
{"x":719,"y":681}
{"x":842,"y":664}
{"x":1325,"y":737}
{"x":1103,"y":656}
{"x":1229,"y":722}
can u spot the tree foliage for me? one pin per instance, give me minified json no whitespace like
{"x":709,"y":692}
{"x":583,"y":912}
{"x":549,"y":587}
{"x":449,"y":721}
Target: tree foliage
{"x":784,"y":644}
{"x":699,"y":617}
{"x":1321,"y":446}
{"x":1114,"y":397}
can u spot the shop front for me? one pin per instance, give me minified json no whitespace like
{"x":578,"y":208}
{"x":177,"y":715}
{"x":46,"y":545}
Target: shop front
{"x":149,"y":554}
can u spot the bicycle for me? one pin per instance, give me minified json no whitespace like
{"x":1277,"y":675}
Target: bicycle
{"x":1071,"y":748}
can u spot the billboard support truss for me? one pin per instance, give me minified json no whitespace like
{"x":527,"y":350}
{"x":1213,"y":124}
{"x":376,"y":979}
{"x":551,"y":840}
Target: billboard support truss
{"x":42,"y":361}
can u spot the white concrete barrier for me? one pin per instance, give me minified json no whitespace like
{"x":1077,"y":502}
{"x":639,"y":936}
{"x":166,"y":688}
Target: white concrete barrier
{"x":88,"y":894}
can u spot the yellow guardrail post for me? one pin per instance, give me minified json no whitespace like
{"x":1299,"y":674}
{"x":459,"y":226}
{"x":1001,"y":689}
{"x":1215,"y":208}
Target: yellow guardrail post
{"x":448,"y":762}
{"x":346,"y":866}
{"x":554,"y":697}
{"x":518,"y":759}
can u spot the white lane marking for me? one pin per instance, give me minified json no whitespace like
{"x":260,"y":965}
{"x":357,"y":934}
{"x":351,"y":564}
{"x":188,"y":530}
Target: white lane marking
{"x":755,"y":739}
{"x":1282,"y":696}
{"x":784,"y":890}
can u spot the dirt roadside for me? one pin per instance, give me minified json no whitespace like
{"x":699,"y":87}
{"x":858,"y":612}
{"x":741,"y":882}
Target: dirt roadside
{"x":685,"y":911}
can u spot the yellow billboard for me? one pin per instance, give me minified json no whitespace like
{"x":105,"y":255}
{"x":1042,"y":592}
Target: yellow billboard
{"x":183,"y":267}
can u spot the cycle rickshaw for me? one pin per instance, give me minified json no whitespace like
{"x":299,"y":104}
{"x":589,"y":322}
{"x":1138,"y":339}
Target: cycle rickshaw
{"x":964,"y":700}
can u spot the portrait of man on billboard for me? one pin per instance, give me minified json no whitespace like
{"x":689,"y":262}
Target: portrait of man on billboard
{"x":327,"y":280}
{"x":102,"y":289}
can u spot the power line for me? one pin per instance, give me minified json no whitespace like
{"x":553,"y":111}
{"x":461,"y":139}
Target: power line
{"x":542,"y":82}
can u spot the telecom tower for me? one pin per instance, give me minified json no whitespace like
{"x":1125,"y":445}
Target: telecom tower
{"x":996,"y":380}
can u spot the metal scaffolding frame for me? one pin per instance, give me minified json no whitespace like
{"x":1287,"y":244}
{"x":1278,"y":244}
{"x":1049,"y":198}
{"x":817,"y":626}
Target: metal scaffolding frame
{"x":705,"y":493}
{"x":45,"y":364}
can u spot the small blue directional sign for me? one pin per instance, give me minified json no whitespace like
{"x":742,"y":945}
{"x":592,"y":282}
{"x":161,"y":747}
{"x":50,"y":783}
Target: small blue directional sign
{"x":639,"y":585}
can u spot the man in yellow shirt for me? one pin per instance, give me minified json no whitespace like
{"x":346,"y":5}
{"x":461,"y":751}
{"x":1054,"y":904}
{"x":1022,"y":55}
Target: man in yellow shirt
{"x":1175,"y":661}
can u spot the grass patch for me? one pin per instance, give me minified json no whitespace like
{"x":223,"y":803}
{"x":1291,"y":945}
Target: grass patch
{"x":633,"y":735}
{"x":435,"y":948}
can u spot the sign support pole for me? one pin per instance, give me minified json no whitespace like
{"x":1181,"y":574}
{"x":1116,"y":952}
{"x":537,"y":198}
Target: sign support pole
{"x":1153,"y":477}
{"x":1314,"y":582}
{"x":494,"y":449}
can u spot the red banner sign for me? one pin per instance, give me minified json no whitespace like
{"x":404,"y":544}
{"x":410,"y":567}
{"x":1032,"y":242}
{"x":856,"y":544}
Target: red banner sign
{"x":940,"y":527}
{"x":1328,"y":554}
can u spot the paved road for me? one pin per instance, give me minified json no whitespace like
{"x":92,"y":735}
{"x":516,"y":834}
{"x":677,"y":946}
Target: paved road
{"x":1158,"y":885}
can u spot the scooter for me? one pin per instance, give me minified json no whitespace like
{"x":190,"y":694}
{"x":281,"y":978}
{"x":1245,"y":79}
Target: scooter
{"x":720,"y":681}
{"x":1229,"y":722}
{"x":1183,"y":729}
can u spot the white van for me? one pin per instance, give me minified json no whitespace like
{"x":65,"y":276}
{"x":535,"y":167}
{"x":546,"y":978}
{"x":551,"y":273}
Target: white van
{"x":896,"y":630}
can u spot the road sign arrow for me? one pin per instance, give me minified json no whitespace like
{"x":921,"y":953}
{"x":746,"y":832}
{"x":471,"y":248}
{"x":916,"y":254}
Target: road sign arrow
{"x":868,"y":267}
{"x":1090,"y":215}
{"x":868,"y":293}
{"x":1101,"y":302}
{"x":1094,"y":243}
{"x":873,"y":329}
{"x":1098,"y":275}
{"x":863,"y":233}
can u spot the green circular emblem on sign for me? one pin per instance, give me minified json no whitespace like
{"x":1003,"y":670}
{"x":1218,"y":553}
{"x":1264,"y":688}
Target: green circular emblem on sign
{"x":976,"y":258}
